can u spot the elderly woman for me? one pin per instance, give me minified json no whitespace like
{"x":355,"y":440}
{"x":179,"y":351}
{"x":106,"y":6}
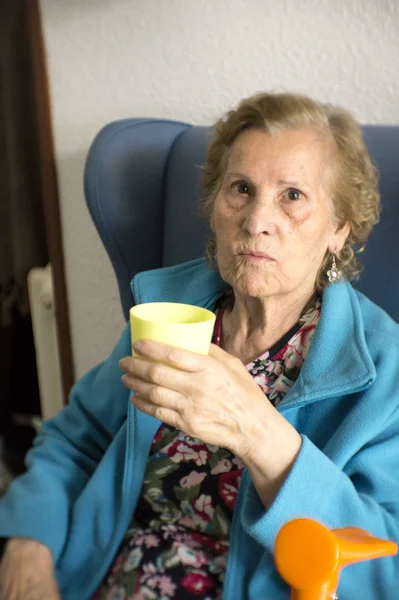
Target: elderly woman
{"x":179,"y":490}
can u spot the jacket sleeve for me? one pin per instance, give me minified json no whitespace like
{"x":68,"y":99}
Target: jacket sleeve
{"x":363,"y":493}
{"x":65,"y":454}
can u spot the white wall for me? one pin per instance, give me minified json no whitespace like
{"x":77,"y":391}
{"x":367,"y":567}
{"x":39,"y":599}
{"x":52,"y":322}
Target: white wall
{"x":191,"y":60}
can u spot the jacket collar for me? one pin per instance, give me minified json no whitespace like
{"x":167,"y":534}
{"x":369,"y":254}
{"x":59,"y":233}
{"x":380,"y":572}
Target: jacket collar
{"x":338,"y":361}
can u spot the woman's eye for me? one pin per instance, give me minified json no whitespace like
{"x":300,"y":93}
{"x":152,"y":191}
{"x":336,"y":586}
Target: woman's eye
{"x":241,"y":187}
{"x":293,"y":194}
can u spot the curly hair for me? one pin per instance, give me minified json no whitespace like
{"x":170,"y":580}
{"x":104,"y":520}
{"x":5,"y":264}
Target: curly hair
{"x":355,"y":195}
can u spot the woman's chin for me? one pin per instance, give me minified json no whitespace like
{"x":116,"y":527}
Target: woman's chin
{"x":253,"y":286}
{"x":250,"y":280}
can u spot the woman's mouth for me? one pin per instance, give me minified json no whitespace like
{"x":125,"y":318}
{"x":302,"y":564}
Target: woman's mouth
{"x":255,"y":256}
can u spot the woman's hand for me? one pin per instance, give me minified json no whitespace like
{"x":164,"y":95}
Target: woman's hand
{"x":212,"y":398}
{"x":27,"y":572}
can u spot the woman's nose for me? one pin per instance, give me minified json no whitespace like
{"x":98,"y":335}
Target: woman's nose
{"x":260,"y":218}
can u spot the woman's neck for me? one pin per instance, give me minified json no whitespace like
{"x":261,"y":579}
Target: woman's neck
{"x":253,"y":325}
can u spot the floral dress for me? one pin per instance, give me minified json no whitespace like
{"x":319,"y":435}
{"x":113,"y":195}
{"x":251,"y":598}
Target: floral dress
{"x":177,"y":543}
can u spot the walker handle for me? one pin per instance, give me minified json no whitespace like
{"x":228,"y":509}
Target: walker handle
{"x":310,"y":557}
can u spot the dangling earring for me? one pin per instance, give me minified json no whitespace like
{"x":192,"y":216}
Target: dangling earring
{"x":334,"y":274}
{"x":215,"y":255}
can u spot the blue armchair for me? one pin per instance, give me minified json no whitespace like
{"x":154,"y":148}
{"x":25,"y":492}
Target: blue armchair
{"x":142,"y":182}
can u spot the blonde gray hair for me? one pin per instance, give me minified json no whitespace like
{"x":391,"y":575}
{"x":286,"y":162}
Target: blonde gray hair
{"x":354,"y":192}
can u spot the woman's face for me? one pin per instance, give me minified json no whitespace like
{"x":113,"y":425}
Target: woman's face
{"x":273,"y":214}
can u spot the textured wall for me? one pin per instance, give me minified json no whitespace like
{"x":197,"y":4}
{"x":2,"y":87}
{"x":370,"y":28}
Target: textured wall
{"x":191,"y":60}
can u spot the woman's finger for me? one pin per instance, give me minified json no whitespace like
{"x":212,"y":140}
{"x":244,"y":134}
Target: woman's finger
{"x":166,"y":415}
{"x":170,"y":355}
{"x":155,"y":373}
{"x":156,"y":394}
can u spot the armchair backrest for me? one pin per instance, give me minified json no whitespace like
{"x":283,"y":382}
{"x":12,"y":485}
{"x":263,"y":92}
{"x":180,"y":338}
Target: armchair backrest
{"x":143,"y":180}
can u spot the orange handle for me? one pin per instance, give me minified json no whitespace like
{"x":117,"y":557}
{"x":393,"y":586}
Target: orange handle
{"x":310,"y":557}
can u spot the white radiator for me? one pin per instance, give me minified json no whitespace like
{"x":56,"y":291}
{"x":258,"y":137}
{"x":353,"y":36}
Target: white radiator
{"x":41,"y":299}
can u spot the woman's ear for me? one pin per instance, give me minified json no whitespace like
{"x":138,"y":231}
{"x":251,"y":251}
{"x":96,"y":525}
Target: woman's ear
{"x":339,"y":238}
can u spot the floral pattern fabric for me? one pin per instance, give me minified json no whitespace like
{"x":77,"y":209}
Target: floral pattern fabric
{"x":177,"y":544}
{"x":276,"y":372}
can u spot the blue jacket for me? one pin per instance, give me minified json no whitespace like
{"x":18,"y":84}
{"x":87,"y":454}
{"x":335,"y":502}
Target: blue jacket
{"x":86,"y":467}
